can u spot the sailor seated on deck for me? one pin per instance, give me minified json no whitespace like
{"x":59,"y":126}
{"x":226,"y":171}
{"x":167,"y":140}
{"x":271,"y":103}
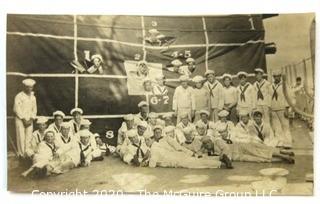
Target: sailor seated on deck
{"x":46,"y":160}
{"x":241,"y":132}
{"x":136,"y":152}
{"x":37,"y":136}
{"x":105,"y":148}
{"x":87,"y":150}
{"x":261,"y":130}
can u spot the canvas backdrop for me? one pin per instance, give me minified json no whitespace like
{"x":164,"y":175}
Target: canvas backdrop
{"x":43,"y":46}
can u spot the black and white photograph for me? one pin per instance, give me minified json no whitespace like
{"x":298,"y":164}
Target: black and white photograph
{"x":214,"y":104}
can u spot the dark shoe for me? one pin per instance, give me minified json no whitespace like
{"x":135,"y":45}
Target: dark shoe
{"x":289,"y":153}
{"x":225,"y":159}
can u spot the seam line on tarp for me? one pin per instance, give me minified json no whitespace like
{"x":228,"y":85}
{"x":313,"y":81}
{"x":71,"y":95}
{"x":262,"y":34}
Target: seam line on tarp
{"x":133,"y":44}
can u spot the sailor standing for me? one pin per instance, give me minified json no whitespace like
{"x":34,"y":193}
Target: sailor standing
{"x":183,"y":99}
{"x":201,"y":95}
{"x":279,"y":106}
{"x":25,"y":109}
{"x":215,"y":91}
{"x":245,"y":94}
{"x":263,"y":91}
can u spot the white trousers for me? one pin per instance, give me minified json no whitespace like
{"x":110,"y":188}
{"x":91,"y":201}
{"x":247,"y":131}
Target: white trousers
{"x":23,"y":137}
{"x":280,"y":126}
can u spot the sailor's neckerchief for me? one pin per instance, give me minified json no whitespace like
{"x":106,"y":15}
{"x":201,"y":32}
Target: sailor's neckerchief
{"x":58,"y":130}
{"x":259,"y":85}
{"x":243,"y":89}
{"x":259,"y":129}
{"x":52,"y":147}
{"x":212,"y":86}
{"x":244,"y":126}
{"x":65,"y":141}
{"x":275,"y":88}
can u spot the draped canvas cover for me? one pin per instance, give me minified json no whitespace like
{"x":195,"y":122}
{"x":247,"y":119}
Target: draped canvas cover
{"x":42,"y":47}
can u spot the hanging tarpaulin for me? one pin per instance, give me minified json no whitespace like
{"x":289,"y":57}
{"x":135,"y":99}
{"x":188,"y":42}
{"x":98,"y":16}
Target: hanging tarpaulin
{"x":51,"y":48}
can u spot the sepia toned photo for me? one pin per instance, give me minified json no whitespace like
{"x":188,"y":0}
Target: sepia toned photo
{"x":213,"y":105}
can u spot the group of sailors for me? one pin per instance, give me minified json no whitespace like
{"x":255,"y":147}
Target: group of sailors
{"x":212,"y":125}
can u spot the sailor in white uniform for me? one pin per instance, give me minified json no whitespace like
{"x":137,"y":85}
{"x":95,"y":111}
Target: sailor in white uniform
{"x":201,"y":95}
{"x":230,"y":98}
{"x":75,"y":122}
{"x":143,"y":114}
{"x":242,"y":132}
{"x":245,"y":94}
{"x":58,"y":119}
{"x":215,"y":90}
{"x":87,"y":151}
{"x":25,"y":109}
{"x":37,"y":136}
{"x":183,"y":99}
{"x":279,"y":106}
{"x":263,"y":90}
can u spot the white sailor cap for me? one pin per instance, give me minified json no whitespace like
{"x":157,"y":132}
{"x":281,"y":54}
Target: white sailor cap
{"x":158,"y":127}
{"x":225,"y":75}
{"x":131,"y":133}
{"x":76,"y":110}
{"x":49,"y":130}
{"x":143,"y":124}
{"x":184,"y":78}
{"x":209,"y":72}
{"x":160,"y":36}
{"x":198,"y":79}
{"x":277,"y":72}
{"x":204,"y":112}
{"x":243,"y":113}
{"x":42,"y":120}
{"x":58,"y":113}
{"x":259,"y":70}
{"x":189,"y":60}
{"x":241,"y":73}
{"x":187,"y":130}
{"x":223,"y":113}
{"x":128,"y":117}
{"x":200,"y":124}
{"x":96,"y":135}
{"x":142,"y":103}
{"x":169,"y":128}
{"x":153,"y":31}
{"x":184,"y":115}
{"x":29,"y":82}
{"x":153,"y":115}
{"x":96,"y":56}
{"x":84,"y":133}
{"x":65,"y":125}
{"x":167,"y":115}
{"x":176,"y":63}
{"x":85,"y":122}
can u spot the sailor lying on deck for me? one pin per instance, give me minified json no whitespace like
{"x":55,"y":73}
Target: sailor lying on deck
{"x":167,"y":152}
{"x":248,"y":152}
